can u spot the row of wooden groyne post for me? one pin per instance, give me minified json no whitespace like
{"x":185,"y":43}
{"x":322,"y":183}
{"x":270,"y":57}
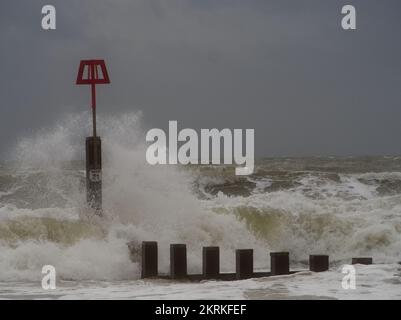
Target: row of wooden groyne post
{"x":279,"y":263}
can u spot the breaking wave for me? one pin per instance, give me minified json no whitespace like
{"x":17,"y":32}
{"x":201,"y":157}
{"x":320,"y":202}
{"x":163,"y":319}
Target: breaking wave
{"x":43,"y":220}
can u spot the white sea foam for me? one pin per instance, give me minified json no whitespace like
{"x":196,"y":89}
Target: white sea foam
{"x":372,"y":282}
{"x":42,"y":220}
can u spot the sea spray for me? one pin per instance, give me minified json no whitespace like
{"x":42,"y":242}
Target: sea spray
{"x":141,"y":202}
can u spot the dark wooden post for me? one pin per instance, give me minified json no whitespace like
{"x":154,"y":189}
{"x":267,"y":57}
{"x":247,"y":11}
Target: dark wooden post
{"x":244,"y":263}
{"x":211,"y":262}
{"x":149,"y":259}
{"x":94,"y":172}
{"x":280,"y":263}
{"x":178,"y":261}
{"x":362,"y":260}
{"x":318,"y":263}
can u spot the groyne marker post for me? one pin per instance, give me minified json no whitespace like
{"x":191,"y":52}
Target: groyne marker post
{"x":92,"y":72}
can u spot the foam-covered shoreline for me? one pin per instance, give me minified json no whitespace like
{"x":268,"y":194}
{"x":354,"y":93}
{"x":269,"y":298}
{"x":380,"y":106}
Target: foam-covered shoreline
{"x":380,"y":281}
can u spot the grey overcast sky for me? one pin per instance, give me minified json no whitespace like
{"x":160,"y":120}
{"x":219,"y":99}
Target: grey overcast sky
{"x":283,"y":67}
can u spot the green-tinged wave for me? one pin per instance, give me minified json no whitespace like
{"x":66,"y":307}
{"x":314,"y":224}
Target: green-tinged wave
{"x":65,"y":232}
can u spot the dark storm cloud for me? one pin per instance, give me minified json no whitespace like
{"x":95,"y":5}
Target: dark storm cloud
{"x":285,"y":68}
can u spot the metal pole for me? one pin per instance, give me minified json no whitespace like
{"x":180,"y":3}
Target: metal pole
{"x":94,"y":124}
{"x":94,"y":109}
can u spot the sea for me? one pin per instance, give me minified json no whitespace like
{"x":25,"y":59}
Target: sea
{"x":344,"y":207}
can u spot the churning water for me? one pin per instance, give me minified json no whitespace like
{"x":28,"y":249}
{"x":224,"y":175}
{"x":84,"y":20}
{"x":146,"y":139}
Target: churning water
{"x":343,"y":207}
